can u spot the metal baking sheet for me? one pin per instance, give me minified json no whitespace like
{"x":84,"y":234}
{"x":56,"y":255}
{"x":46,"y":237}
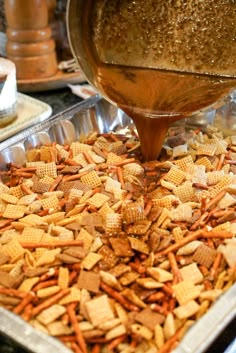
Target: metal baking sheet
{"x":94,"y":114}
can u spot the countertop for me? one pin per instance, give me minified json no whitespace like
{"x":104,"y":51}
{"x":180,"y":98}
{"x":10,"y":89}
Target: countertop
{"x":62,"y":99}
{"x":59,"y":100}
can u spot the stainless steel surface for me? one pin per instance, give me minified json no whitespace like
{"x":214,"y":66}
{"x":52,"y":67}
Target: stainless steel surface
{"x":26,"y":337}
{"x":95,"y":114}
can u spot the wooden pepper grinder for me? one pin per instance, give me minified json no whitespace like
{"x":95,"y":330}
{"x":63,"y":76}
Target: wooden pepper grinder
{"x":29,"y":42}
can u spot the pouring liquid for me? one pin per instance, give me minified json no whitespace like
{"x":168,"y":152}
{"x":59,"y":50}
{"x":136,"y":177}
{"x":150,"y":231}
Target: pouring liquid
{"x":155,"y":99}
{"x":159,"y":61}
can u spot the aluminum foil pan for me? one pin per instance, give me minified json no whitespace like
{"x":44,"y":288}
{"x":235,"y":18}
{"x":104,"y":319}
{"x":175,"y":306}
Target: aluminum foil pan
{"x":94,"y":114}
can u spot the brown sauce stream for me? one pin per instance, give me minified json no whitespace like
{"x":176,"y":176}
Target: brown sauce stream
{"x":155,"y":99}
{"x":159,"y":61}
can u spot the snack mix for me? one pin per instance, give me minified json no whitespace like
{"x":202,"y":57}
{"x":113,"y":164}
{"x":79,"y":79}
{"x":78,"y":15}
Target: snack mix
{"x":107,"y":253}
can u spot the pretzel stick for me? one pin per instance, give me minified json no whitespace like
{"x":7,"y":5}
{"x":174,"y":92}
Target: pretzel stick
{"x":203,"y":204}
{"x":199,"y":221}
{"x":48,"y":302}
{"x":26,"y":190}
{"x":26,"y":315}
{"x":168,"y":345}
{"x":25,"y":301}
{"x":216,"y":265}
{"x":148,"y":208}
{"x":155,"y":297}
{"x":6,"y":228}
{"x":56,"y":182}
{"x":215,"y":199}
{"x":119,"y":297}
{"x":73,"y":275}
{"x":56,"y":244}
{"x":167,"y":289}
{"x":67,"y":338}
{"x":221,"y":161}
{"x":174,"y":268}
{"x":45,"y":284}
{"x":72,"y":163}
{"x":125,"y":161}
{"x":74,"y":177}
{"x":88,"y":157}
{"x":96,"y":348}
{"x":192,"y":236}
{"x":75,"y":347}
{"x":5,"y":223}
{"x":220,"y":235}
{"x":26,"y":169}
{"x":115,"y":342}
{"x":74,"y":322}
{"x":12,"y":292}
{"x":120,"y":177}
{"x":119,"y":164}
{"x":23,"y":174}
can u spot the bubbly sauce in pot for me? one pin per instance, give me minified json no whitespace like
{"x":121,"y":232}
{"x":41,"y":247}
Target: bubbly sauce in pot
{"x":155,"y":99}
{"x":159,"y":61}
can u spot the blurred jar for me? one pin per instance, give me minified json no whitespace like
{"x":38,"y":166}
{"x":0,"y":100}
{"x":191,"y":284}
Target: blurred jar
{"x":8,"y":92}
{"x":225,"y":118}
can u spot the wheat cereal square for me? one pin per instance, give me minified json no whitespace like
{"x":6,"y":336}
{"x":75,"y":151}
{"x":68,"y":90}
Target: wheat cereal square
{"x":31,"y":235}
{"x":187,"y":310}
{"x":51,"y":314}
{"x":214,"y":177}
{"x":139,"y":245}
{"x":14,"y":250}
{"x":204,"y":255}
{"x":186,"y":291}
{"x":91,"y":179}
{"x":8,"y":198}
{"x":113,"y":223}
{"x":78,"y":147}
{"x":99,"y":310}
{"x":50,"y":202}
{"x":14,"y":211}
{"x":4,"y":188}
{"x":183,"y":162}
{"x":73,"y":296}
{"x":139,"y":227}
{"x":185,"y":192}
{"x":89,"y":280}
{"x":178,"y":234}
{"x":49,"y":169}
{"x":113,"y":158}
{"x":98,"y":200}
{"x":191,"y":273}
{"x":17,"y":191}
{"x":175,"y":176}
{"x":117,"y":147}
{"x":133,"y":211}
